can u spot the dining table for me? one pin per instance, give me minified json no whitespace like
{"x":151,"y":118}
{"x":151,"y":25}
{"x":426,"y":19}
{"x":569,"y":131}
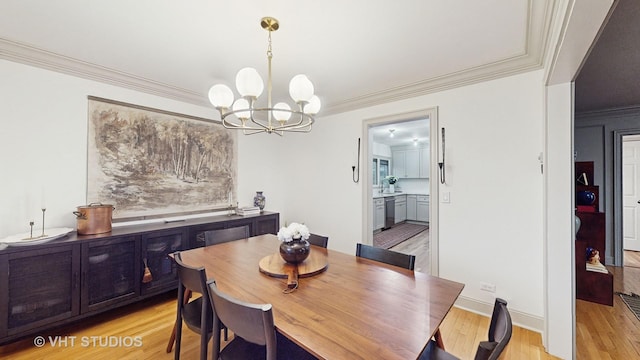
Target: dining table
{"x":348,"y":307}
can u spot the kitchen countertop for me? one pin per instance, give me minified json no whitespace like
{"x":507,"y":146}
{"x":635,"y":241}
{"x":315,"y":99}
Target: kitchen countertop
{"x":383,"y":195}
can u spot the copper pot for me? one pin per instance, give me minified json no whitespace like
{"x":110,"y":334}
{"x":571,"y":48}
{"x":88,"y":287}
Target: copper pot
{"x":94,"y":218}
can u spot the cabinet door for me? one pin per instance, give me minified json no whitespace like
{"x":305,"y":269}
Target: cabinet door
{"x":412,"y":164}
{"x":42,"y":287}
{"x":398,"y":164}
{"x":411,"y":207}
{"x":425,"y":162}
{"x":422,"y":209}
{"x":400,"y":212}
{"x":269,"y":224}
{"x":378,"y":214}
{"x":156,"y":248}
{"x":109,"y":272}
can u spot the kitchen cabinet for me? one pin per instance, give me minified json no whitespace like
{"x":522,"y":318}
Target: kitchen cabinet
{"x":425,"y":162}
{"x":64,"y":280}
{"x":422,"y":208}
{"x":412,"y":207}
{"x":400,"y":208}
{"x":405,"y":163}
{"x":411,"y":163}
{"x":378,"y":213}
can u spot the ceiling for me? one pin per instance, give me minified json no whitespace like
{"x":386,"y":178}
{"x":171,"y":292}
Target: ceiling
{"x":404,"y":133}
{"x":357,"y":53}
{"x":609,"y":77}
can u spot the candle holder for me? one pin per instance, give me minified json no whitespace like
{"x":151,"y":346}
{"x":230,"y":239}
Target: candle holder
{"x":43,"y":211}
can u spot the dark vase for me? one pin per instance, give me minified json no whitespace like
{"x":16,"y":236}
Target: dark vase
{"x":259,"y":200}
{"x":295,"y":251}
{"x":586,"y":197}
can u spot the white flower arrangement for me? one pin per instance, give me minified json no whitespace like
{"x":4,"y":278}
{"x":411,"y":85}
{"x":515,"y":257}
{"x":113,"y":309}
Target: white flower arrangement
{"x":391,"y":179}
{"x":293,"y":231}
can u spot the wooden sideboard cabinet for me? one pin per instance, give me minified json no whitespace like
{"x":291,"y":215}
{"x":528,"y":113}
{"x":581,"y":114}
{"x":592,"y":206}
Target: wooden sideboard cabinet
{"x":65,"y":280}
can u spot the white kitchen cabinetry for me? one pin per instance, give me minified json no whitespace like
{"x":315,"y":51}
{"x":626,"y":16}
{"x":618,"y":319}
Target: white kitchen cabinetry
{"x":422,"y":208}
{"x":400,"y":208}
{"x":425,"y":162}
{"x":410,"y":163}
{"x":411,"y":207}
{"x":378,"y":213}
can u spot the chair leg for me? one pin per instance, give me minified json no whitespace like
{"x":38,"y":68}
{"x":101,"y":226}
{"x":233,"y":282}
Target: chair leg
{"x":172,"y":338}
{"x":438,"y":338}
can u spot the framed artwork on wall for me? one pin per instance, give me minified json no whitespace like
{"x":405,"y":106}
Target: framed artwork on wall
{"x":152,"y":163}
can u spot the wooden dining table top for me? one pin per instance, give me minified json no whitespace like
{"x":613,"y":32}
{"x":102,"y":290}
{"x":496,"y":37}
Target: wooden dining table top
{"x":355,"y":309}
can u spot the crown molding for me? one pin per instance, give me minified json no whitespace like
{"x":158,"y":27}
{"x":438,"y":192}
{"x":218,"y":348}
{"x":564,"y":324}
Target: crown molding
{"x":29,"y":55}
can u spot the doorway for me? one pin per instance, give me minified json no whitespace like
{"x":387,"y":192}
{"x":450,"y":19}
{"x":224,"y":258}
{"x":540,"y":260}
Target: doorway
{"x":631,"y":200}
{"x":380,"y":162}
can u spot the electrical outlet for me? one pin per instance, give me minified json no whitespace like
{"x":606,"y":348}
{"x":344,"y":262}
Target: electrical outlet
{"x":488,"y":287}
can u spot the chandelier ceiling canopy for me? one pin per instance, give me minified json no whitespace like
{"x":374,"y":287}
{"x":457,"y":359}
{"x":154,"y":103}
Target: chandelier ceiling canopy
{"x":242,"y":114}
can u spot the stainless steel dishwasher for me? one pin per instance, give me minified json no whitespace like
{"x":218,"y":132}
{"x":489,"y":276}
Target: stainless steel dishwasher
{"x":389,"y":212}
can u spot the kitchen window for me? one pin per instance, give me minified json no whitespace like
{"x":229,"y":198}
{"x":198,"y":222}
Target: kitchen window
{"x":380,"y":170}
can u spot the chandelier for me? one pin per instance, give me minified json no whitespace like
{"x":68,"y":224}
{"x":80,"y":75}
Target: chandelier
{"x":242,"y":114}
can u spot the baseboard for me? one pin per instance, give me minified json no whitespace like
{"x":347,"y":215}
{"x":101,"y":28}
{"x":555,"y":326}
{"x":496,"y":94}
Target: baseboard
{"x":523,"y":320}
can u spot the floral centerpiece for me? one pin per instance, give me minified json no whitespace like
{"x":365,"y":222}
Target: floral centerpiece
{"x":294,"y":247}
{"x":292,"y":232}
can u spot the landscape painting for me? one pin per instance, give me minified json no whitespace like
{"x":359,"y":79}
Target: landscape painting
{"x":152,"y":163}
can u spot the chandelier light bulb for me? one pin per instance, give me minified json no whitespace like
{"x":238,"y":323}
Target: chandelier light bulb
{"x":300,"y":88}
{"x":281,"y":116}
{"x":242,"y":104}
{"x":221,"y":96}
{"x":313,"y":106}
{"x":249,"y":83}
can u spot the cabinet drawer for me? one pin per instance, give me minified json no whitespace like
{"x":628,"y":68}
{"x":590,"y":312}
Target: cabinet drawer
{"x":423,"y":198}
{"x":378,"y":201}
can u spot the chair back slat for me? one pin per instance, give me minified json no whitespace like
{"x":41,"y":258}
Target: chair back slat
{"x":318,"y":240}
{"x":501,"y":327}
{"x":386,"y":256}
{"x":193,"y":278}
{"x":252,"y":322}
{"x":218,"y":236}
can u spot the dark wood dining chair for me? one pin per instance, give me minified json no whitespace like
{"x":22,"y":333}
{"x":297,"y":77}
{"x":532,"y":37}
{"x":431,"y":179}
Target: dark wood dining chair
{"x":386,"y":256}
{"x":318,"y":240}
{"x":196,"y":314}
{"x":500,"y":330}
{"x":255,"y":335}
{"x":218,"y":236}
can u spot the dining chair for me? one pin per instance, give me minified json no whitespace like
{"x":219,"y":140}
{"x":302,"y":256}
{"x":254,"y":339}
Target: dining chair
{"x":386,"y":256}
{"x":218,"y":236}
{"x":318,"y":240}
{"x":500,"y":330}
{"x":255,"y":335}
{"x":196,"y":314}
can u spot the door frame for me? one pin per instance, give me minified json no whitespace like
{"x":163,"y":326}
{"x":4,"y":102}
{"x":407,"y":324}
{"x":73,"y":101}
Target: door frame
{"x":367,"y":188}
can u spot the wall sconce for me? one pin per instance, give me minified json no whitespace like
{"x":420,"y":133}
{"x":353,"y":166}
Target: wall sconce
{"x":441,"y":164}
{"x":391,"y":132}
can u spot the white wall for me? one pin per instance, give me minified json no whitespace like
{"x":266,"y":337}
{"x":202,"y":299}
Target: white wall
{"x":492,"y":229}
{"x":43,"y":142}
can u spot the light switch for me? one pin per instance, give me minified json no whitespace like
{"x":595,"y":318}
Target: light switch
{"x":446,"y":197}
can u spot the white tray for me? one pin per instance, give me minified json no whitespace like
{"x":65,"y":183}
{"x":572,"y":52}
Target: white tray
{"x":23,"y":239}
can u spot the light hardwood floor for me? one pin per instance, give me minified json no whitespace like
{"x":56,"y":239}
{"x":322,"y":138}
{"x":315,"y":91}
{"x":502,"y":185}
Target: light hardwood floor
{"x":152,"y":321}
